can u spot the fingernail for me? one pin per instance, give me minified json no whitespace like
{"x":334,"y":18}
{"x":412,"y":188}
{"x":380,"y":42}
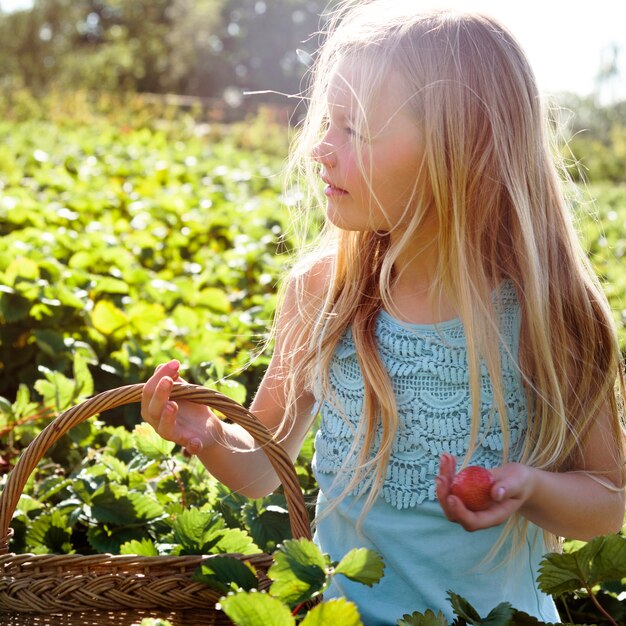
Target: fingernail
{"x":499,"y":493}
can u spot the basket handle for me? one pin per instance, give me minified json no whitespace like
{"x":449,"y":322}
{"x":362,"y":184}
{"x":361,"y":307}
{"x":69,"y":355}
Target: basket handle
{"x":113,"y":398}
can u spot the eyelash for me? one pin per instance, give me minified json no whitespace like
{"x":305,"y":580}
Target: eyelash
{"x":349,"y":130}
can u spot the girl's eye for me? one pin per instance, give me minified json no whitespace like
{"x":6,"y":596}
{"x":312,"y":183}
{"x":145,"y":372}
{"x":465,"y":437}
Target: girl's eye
{"x":353,"y":134}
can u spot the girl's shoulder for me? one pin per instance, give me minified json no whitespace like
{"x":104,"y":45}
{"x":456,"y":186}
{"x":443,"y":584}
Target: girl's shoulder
{"x":305,"y":292}
{"x":310,"y":280}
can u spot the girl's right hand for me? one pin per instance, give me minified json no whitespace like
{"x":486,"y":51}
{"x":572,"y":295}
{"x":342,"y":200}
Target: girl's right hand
{"x":188,"y":424}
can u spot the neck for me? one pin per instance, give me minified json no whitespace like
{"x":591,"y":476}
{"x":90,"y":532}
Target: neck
{"x":415,"y":295}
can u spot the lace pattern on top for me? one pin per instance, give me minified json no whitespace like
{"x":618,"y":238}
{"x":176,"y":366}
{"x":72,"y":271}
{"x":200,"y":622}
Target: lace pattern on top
{"x":429,"y":373}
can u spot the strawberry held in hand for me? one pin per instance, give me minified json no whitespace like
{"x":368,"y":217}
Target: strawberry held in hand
{"x":473,"y":486}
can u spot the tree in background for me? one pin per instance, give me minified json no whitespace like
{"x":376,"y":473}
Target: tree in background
{"x":195,"y":47}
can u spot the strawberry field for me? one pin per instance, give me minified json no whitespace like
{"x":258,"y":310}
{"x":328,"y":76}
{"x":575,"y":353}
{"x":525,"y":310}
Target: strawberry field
{"x":132,"y":236}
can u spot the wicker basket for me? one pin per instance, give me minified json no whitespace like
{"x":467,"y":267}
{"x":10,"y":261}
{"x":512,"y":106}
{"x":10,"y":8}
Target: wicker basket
{"x":68,"y":590}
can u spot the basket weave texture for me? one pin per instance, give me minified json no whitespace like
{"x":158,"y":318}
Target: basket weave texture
{"x":71,"y":589}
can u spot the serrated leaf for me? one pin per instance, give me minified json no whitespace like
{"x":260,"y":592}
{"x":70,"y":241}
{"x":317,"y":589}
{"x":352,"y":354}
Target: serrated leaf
{"x":299,"y":571}
{"x":610,"y":560}
{"x":50,"y":532}
{"x":361,"y":565}
{"x":23,"y":405}
{"x":601,"y":559}
{"x":501,"y":615}
{"x":115,"y":504}
{"x":117,"y":466}
{"x":463,"y":608}
{"x":145,"y":547}
{"x":423,"y":619}
{"x":234,"y":540}
{"x":26,"y":504}
{"x":204,"y":532}
{"x":109,"y":540}
{"x":256,"y":609}
{"x":335,"y":611}
{"x":225,"y":572}
{"x":268,"y":521}
{"x":191,"y":526}
{"x":57,"y":390}
{"x":150,"y":443}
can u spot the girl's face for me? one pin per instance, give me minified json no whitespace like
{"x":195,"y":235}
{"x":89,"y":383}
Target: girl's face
{"x":371,"y":180}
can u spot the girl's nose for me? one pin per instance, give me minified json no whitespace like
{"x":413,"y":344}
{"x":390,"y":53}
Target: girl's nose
{"x":324,"y":153}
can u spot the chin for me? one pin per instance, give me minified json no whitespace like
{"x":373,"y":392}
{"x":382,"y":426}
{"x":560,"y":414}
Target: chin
{"x":337,"y":219}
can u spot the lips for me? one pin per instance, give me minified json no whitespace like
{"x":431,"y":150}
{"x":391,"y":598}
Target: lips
{"x":333,"y":190}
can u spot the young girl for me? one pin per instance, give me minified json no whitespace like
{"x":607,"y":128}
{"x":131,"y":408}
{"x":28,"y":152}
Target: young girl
{"x":447,"y":313}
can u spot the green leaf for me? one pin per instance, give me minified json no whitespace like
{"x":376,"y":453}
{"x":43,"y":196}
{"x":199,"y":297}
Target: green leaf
{"x":23,"y":405}
{"x":501,"y":615}
{"x":423,"y":619}
{"x":50,"y":532}
{"x":463,"y":608}
{"x":151,"y":444}
{"x":361,"y":565}
{"x":268,"y":521}
{"x":299,"y":571}
{"x":215,"y":299}
{"x":14,"y":308}
{"x":226,"y":573}
{"x":191,"y":527}
{"x":115,"y":504}
{"x":145,"y":547}
{"x":107,"y":540}
{"x":204,"y":532}
{"x":119,"y":469}
{"x":602,"y":559}
{"x":110,"y":285}
{"x":83,"y":377}
{"x":49,"y":341}
{"x":107,"y":318}
{"x":256,"y":609}
{"x":335,"y":611}
{"x":233,"y":540}
{"x":57,"y":390}
{"x":21,"y":268}
{"x":231,"y":388}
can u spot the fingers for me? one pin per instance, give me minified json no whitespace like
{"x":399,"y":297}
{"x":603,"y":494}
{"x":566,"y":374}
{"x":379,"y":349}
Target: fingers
{"x":447,"y":469}
{"x":471,"y":521}
{"x":156,"y":392}
{"x":505,"y":495}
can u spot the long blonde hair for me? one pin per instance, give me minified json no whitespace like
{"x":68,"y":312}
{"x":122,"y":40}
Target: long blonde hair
{"x":497,"y":193}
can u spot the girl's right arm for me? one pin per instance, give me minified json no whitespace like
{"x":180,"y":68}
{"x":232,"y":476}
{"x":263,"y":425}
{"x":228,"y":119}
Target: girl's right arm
{"x":227,"y":450}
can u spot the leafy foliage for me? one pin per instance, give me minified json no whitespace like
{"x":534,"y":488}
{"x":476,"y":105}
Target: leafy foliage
{"x":123,"y":246}
{"x":200,"y":47}
{"x":122,"y":252}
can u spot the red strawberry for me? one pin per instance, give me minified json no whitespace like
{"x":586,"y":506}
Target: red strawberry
{"x":473,"y":486}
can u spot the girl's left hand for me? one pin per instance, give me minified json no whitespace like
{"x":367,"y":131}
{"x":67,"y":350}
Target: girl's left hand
{"x":511,"y":489}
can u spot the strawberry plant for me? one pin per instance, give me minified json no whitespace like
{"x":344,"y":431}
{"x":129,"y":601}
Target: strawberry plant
{"x":129,"y":236}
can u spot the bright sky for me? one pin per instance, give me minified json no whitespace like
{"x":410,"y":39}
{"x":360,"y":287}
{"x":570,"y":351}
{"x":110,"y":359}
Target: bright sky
{"x":566,"y":40}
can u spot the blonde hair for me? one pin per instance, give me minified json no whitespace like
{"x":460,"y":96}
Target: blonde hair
{"x":497,"y":195}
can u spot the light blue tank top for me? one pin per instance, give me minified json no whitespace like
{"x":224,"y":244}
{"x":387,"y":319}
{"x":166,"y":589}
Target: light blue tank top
{"x":425,"y":555}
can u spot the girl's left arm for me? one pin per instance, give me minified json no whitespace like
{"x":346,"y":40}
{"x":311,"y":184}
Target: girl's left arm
{"x":579,"y":504}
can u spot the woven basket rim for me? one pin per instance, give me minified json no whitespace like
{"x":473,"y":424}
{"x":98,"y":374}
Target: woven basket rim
{"x":52,"y":569}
